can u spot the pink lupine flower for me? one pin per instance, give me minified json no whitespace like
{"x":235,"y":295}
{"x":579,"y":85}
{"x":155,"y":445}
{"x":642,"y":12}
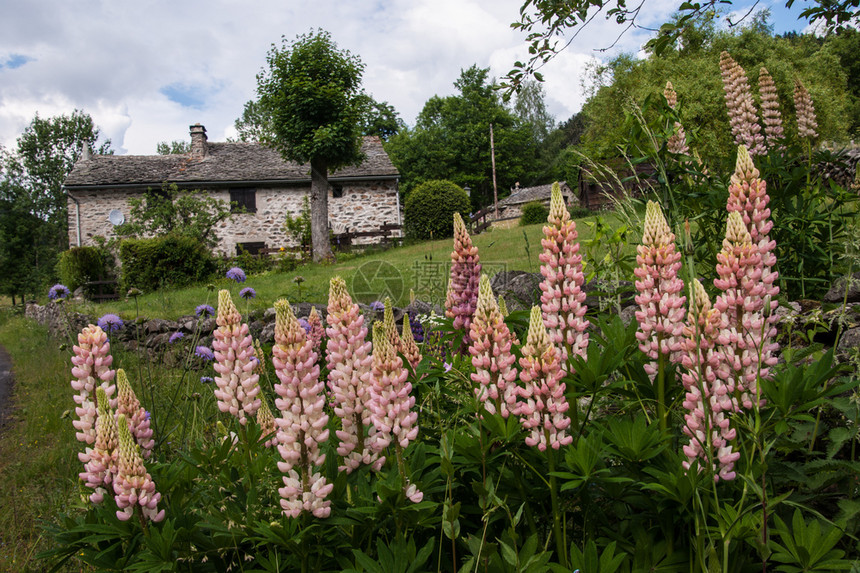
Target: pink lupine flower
{"x":707,"y":414}
{"x":302,"y":421}
{"x":741,"y":107}
{"x":678,"y":141}
{"x":771,"y":116}
{"x":495,"y":375}
{"x":805,"y":111}
{"x":267,"y":424}
{"x":101,"y":467}
{"x":316,"y":332}
{"x":408,"y":346}
{"x":129,"y":406}
{"x":542,"y":409}
{"x":739,"y":271}
{"x":392,"y":402}
{"x":132,"y":485}
{"x":562,"y":297}
{"x":349,"y":363}
{"x":91,"y":368}
{"x":391,"y":394}
{"x":465,"y":273}
{"x":661,"y":306}
{"x":237,"y":385}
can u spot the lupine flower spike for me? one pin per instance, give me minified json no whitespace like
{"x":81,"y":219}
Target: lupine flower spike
{"x":806,"y":124}
{"x":133,"y":486}
{"x":91,"y":369}
{"x":260,"y":356}
{"x":349,"y":362}
{"x":316,"y":331}
{"x":748,"y":196}
{"x":129,"y":406}
{"x":562,"y":298}
{"x":707,"y":414}
{"x":661,"y":305}
{"x":465,"y":274}
{"x":542,"y":409}
{"x":302,"y":420}
{"x":495,"y":375}
{"x":391,"y":326}
{"x":773,"y":131}
{"x":739,"y":271}
{"x":392,"y":401}
{"x":741,"y":107}
{"x":408,"y":346}
{"x":678,"y":141}
{"x":102,"y":465}
{"x":237,"y":384}
{"x":267,"y":424}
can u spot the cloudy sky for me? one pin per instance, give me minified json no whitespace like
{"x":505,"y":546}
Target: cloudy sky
{"x":146,"y":70}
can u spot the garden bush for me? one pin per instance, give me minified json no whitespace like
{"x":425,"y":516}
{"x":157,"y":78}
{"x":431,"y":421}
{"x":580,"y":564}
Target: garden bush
{"x":172,"y":260}
{"x":534,"y":213}
{"x":430,"y":207}
{"x":80,"y":265}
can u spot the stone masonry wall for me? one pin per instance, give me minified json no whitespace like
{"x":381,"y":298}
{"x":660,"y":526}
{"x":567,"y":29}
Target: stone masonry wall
{"x":364,"y":206}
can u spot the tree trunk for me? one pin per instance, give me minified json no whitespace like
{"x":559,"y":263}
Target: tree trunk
{"x":319,"y":210}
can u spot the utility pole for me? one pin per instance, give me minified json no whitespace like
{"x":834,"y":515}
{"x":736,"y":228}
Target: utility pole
{"x":495,"y":189}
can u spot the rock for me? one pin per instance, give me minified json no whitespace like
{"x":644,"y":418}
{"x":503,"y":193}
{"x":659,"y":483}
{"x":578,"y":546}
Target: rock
{"x":597,"y":290}
{"x":156,"y":326}
{"x":850,"y":342}
{"x":421,"y":307}
{"x":303,"y":309}
{"x":836,"y":294}
{"x":267,"y":334}
{"x":520,"y":289}
{"x":628,"y":313}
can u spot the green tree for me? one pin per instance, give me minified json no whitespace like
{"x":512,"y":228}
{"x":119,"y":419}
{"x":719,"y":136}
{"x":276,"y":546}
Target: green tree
{"x":175,"y":147}
{"x":311,"y":91}
{"x":379,"y":118}
{"x":451,"y":140}
{"x":548,"y":24}
{"x":34,"y":213}
{"x":173,"y":211}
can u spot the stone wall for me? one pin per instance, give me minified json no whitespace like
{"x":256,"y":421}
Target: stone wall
{"x":364,"y":206}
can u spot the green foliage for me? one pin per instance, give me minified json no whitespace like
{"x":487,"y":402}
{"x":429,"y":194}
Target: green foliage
{"x":175,"y":147}
{"x":170,"y":210}
{"x":310,"y":93}
{"x":534,"y":213}
{"x":451,"y":140}
{"x":174,"y":260}
{"x":429,"y":210}
{"x":28,"y":251}
{"x":379,"y":118}
{"x":299,"y":228}
{"x":80,"y":265}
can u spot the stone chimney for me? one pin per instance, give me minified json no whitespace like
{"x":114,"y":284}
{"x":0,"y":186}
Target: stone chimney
{"x":198,"y":141}
{"x":86,"y":152}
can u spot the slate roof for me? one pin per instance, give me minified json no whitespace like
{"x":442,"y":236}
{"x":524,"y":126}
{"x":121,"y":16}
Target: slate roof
{"x":538,"y":193}
{"x":224,"y":163}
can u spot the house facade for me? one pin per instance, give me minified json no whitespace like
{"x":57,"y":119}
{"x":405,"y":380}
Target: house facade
{"x":511,"y":207}
{"x":361,"y":198}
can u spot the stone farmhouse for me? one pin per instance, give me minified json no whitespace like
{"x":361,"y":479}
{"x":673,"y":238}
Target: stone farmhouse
{"x":511,"y":207}
{"x":361,"y":198}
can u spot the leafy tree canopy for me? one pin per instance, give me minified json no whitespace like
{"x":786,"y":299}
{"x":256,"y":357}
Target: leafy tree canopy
{"x":175,"y":147}
{"x":451,"y":140}
{"x":553,"y":25}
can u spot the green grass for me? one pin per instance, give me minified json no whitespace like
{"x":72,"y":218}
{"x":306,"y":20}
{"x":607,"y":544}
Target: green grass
{"x":38,"y":450}
{"x":421,"y":267}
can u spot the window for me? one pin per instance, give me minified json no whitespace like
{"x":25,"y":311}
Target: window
{"x":250,"y":248}
{"x":246,"y":198}
{"x":336,"y":190}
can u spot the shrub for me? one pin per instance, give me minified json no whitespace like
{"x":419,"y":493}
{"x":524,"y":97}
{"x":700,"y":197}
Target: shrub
{"x":534,"y":213}
{"x":79,"y":265}
{"x":149,"y":264}
{"x":430,"y":209}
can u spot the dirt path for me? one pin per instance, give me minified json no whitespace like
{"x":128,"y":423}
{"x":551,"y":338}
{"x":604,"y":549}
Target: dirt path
{"x":6,"y":383}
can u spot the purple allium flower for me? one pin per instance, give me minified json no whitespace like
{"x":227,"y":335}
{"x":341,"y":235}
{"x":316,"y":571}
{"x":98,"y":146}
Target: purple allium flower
{"x":236,"y":274}
{"x":376,"y":305}
{"x":248,"y":293}
{"x":110,"y":322}
{"x":305,"y":324}
{"x":175,"y":337}
{"x":206,"y":379}
{"x":58,"y":292}
{"x":204,"y":310}
{"x":205,"y":353}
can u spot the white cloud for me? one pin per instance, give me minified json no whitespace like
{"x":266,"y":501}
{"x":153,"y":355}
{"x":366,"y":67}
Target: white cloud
{"x":118,"y":60}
